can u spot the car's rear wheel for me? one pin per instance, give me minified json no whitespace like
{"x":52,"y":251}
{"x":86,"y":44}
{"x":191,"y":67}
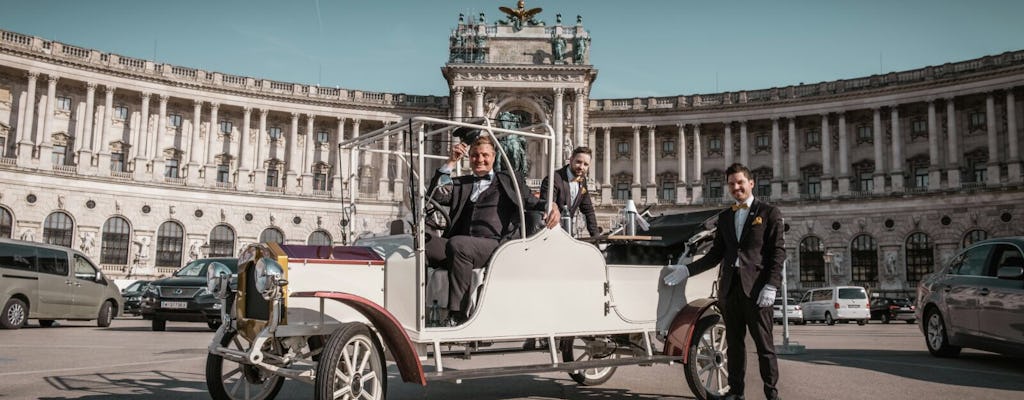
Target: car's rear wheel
{"x":228,"y":380}
{"x":159,"y":325}
{"x":106,"y":315}
{"x":46,"y":323}
{"x":590,"y":376}
{"x":885,"y":318}
{"x":15,"y":314}
{"x":936,"y":337}
{"x":707,"y":365}
{"x":911,"y":321}
{"x":828,"y":319}
{"x":351,"y":366}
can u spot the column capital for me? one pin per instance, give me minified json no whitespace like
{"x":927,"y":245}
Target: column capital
{"x":164,"y":97}
{"x":636,"y":128}
{"x":896,"y":107}
{"x":310,"y":116}
{"x":214,"y":105}
{"x":90,"y":85}
{"x":264,"y":112}
{"x":109,"y":88}
{"x":458,"y":89}
{"x":340,"y":119}
{"x":295,"y":116}
{"x":32,"y":75}
{"x":356,"y":121}
{"x":950,"y":99}
{"x":145,"y":95}
{"x":558,"y":91}
{"x":681,"y":126}
{"x":478,"y":90}
{"x":930,"y":100}
{"x":52,"y":79}
{"x":774,"y":118}
{"x":580,"y":91}
{"x":791,"y":117}
{"x":197,"y":103}
{"x":651,"y":128}
{"x":247,"y":109}
{"x":1009,"y":90}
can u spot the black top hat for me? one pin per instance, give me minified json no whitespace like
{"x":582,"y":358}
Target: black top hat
{"x":467,"y":135}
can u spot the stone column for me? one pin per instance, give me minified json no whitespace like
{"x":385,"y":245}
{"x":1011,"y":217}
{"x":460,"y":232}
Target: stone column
{"x":1013,"y":168}
{"x":306,"y":169}
{"x":896,"y":173}
{"x":993,"y":141}
{"x":25,"y":142}
{"x":382,"y":182}
{"x":581,"y":96}
{"x":635,"y":187}
{"x":291,"y":177}
{"x":953,"y":152}
{"x":844,"y":156}
{"x":681,"y":167}
{"x":652,"y":181}
{"x":559,"y":113}
{"x":196,"y":143}
{"x":104,"y":146}
{"x":776,"y":160}
{"x":212,"y":135}
{"x":744,"y":144}
{"x":141,"y":162}
{"x":478,"y":101}
{"x":697,"y":197}
{"x":879,"y":175}
{"x":45,"y":139}
{"x":456,"y":103}
{"x":727,"y":151}
{"x":244,"y":182}
{"x":592,"y":143}
{"x":606,"y":167}
{"x":260,"y":175}
{"x":793,"y":183}
{"x":339,"y":162}
{"x":161,"y":130}
{"x":934,"y":156}
{"x":398,"y":190}
{"x":353,"y":181}
{"x":826,"y":157}
{"x":84,"y":144}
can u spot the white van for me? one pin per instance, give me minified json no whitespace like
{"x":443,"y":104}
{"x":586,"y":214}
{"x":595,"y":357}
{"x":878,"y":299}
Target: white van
{"x":837,"y":303}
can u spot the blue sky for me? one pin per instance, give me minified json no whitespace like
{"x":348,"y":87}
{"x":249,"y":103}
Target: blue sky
{"x":640,"y":48}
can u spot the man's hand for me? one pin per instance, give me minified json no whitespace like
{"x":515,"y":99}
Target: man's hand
{"x":553,"y":217}
{"x":459,"y":150}
{"x":679,"y":274}
{"x":767,"y":297}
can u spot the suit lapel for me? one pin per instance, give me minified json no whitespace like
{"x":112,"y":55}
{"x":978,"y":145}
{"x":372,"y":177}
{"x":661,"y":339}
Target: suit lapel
{"x":754,"y":208}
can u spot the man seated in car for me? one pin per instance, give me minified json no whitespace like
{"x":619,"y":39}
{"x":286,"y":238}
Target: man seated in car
{"x":484,"y":212}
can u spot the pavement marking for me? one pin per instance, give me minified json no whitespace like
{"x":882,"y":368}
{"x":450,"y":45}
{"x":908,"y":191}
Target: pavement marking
{"x":917,"y":365}
{"x":98,"y":367}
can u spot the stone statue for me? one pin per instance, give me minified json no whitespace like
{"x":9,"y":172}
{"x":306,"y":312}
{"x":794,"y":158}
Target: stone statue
{"x":88,"y":240}
{"x":557,"y":49}
{"x":837,"y":263}
{"x":890,"y":263}
{"x":520,"y":16}
{"x":193,"y":250}
{"x":144,"y":247}
{"x":514,"y":145}
{"x":28,"y":235}
{"x":579,"y":19}
{"x":558,"y":19}
{"x":580,"y":49}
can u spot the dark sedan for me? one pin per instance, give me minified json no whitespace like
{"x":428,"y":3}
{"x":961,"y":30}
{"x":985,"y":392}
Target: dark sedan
{"x":183,"y":296}
{"x":133,"y":295}
{"x":976,"y":301}
{"x":886,"y":309}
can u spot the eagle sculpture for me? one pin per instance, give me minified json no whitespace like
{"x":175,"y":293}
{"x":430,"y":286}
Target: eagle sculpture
{"x":520,"y":16}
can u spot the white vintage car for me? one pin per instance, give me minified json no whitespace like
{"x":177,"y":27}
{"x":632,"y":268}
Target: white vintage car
{"x":333,"y":316}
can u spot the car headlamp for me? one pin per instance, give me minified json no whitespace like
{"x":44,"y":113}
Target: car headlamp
{"x":269,"y":278}
{"x":217,"y":277}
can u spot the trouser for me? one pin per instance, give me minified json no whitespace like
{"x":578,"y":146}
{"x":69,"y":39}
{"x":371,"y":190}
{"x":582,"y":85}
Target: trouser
{"x":460,"y":255}
{"x":741,"y":313}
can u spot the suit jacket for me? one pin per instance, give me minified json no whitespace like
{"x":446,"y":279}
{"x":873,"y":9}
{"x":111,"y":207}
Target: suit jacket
{"x":561,"y":197}
{"x":759,"y":250}
{"x":462,"y":188}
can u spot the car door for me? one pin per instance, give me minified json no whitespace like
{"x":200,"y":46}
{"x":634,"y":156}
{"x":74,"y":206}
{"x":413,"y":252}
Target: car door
{"x":959,"y":289}
{"x":1001,"y":315}
{"x":805,"y":303}
{"x":55,"y":281}
{"x":87,"y":291}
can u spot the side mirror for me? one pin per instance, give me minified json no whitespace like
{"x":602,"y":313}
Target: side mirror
{"x":1011,"y":273}
{"x":99,"y":277}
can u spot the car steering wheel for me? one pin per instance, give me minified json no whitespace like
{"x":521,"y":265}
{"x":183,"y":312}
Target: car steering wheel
{"x":436,"y":215}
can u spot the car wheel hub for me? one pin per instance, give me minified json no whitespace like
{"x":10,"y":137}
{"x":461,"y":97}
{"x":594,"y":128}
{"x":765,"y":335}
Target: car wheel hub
{"x":357,"y":385}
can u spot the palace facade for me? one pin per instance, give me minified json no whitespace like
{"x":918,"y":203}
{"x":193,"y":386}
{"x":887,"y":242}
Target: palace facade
{"x":144,"y":166}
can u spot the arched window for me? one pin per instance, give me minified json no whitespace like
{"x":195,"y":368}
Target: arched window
{"x":6,"y":222}
{"x":812,"y":260}
{"x":973,"y":236}
{"x":58,"y":229}
{"x":319,"y":238}
{"x":920,"y":257}
{"x":116,"y":238}
{"x":170,"y":241}
{"x":272,"y":235}
{"x":222,"y":241}
{"x":864,"y":259}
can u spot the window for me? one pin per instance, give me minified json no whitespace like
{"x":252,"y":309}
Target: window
{"x":812,"y":260}
{"x":63,"y":103}
{"x":322,"y":137}
{"x":272,"y":178}
{"x":980,"y":171}
{"x":865,"y":134}
{"x":223,"y":173}
{"x":622,"y":191}
{"x":116,"y":238}
{"x":58,"y":229}
{"x":812,"y":139}
{"x":921,"y":177}
{"x":225,"y":127}
{"x":121,"y":112}
{"x":84,"y":269}
{"x":1005,"y":255}
{"x":973,"y":237}
{"x":623,"y":149}
{"x":867,"y":182}
{"x":16,"y":256}
{"x":714,"y":189}
{"x":715,"y":145}
{"x":971,"y":262}
{"x":271,"y":235}
{"x":170,"y":241}
{"x":3,"y":146}
{"x":319,"y":238}
{"x":919,"y":257}
{"x":763,"y":188}
{"x":171,"y":168}
{"x":59,"y":156}
{"x":319,"y":181}
{"x":918,"y":128}
{"x":174,"y":120}
{"x":668,"y":146}
{"x":222,"y":241}
{"x":812,"y":186}
{"x":762,"y":143}
{"x":274,"y":133}
{"x":864,"y":259}
{"x":117,"y":162}
{"x":976,"y":120}
{"x":52,"y":261}
{"x":668,"y":190}
{"x":6,"y":223}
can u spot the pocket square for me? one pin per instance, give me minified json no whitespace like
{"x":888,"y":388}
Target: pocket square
{"x":757,"y":221}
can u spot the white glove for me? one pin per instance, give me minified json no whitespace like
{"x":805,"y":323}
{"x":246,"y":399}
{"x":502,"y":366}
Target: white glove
{"x":767,"y":297}
{"x":679,"y":273}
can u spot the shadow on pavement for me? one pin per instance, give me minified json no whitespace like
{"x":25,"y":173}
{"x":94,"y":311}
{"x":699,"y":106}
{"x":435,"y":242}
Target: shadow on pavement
{"x":130,"y":385}
{"x":971,"y":369}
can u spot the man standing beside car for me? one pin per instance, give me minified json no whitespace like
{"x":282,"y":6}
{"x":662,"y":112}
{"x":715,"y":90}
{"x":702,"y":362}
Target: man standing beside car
{"x":749,"y":244}
{"x":570,"y":189}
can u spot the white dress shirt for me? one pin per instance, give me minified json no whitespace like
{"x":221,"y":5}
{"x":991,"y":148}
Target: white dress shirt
{"x":479,"y":185}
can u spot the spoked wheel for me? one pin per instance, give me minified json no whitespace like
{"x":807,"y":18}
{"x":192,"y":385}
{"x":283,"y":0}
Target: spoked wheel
{"x":590,"y":376}
{"x":829,"y":320}
{"x":228,"y":380}
{"x":935,"y":336}
{"x":351,"y":366}
{"x":14,"y":315}
{"x":706,"y":367}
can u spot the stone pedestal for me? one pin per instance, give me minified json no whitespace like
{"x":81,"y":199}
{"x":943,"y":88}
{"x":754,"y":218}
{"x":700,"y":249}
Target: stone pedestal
{"x":244,"y":180}
{"x":826,"y":187}
{"x":879,"y":184}
{"x":844,"y":186}
{"x":897,"y":182}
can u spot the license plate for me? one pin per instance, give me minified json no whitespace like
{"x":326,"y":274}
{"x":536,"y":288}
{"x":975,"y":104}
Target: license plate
{"x":904,"y":308}
{"x":852,"y":306}
{"x":173,"y":304}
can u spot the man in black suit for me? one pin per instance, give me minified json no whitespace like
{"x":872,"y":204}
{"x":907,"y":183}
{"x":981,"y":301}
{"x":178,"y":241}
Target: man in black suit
{"x":570,"y":189}
{"x":749,"y":244}
{"x":484,"y":211}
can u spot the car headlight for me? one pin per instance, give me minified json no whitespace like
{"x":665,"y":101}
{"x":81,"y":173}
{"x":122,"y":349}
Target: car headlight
{"x":152,"y":290}
{"x":217,"y":276}
{"x":269,"y":278}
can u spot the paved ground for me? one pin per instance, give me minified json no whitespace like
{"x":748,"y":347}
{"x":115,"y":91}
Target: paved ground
{"x":127,"y":361}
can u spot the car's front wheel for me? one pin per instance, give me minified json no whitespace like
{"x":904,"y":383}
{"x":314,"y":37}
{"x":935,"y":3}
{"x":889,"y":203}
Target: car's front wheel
{"x":707,"y":365}
{"x":936,"y":337}
{"x":228,"y":380}
{"x":590,"y":376}
{"x":106,"y":315}
{"x":159,"y":325}
{"x":15,"y":314}
{"x":351,"y":366}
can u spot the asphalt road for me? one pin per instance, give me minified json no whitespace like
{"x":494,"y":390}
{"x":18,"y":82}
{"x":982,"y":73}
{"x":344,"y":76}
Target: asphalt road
{"x":76,"y":360}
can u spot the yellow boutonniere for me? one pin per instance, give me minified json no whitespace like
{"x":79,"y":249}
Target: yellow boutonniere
{"x":583,"y":190}
{"x":757,"y":221}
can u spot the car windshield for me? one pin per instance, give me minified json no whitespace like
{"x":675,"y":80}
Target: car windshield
{"x":136,"y":286}
{"x":198,"y":267}
{"x":852,"y":293}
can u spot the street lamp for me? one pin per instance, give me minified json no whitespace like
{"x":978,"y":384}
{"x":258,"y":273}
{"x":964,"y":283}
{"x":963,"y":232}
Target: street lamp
{"x":205,"y":249}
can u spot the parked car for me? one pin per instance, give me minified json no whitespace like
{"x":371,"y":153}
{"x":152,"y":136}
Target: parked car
{"x":794,"y":312}
{"x":48,"y":283}
{"x":132,"y":295}
{"x":183,"y":296}
{"x":887,"y":309}
{"x":975,"y":301}
{"x":837,"y":303}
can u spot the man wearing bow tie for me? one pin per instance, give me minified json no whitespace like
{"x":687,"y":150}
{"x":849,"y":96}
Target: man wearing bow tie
{"x":749,"y":245}
{"x":570,"y":189}
{"x":484,"y":211}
